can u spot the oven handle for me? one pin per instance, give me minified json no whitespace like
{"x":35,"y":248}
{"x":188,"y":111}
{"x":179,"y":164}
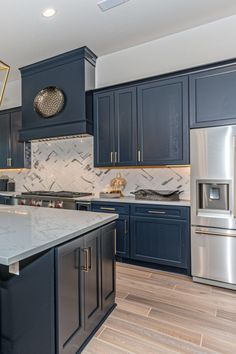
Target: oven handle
{"x":214,"y":233}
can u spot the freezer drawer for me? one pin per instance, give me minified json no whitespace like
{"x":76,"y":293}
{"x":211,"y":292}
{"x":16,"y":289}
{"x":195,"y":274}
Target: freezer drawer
{"x":213,"y":254}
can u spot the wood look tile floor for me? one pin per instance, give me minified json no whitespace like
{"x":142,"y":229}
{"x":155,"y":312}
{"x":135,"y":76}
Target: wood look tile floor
{"x":166,"y":313}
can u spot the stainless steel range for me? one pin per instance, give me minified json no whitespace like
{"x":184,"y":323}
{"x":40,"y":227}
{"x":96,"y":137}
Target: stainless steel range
{"x":213,"y":213}
{"x":60,"y":199}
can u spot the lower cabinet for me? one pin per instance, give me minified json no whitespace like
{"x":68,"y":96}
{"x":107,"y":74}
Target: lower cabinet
{"x":27,"y":307}
{"x":108,"y":280}
{"x":151,"y":234}
{"x":85,"y":286}
{"x":60,"y":296}
{"x":159,"y":240}
{"x":122,"y":236}
{"x":122,"y":224}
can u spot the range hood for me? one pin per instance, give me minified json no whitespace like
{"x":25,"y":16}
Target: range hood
{"x":56,"y":96}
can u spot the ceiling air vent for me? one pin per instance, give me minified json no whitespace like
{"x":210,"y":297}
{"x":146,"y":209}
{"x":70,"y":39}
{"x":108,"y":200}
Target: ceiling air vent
{"x":105,"y":5}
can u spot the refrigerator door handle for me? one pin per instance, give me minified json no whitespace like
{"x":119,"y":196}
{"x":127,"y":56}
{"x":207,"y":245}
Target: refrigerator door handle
{"x":214,"y":233}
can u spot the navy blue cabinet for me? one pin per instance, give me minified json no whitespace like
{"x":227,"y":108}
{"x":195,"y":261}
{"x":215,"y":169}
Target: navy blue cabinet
{"x":125,"y":127}
{"x":104,"y":145}
{"x":115,"y":128}
{"x":151,"y":234}
{"x":213,"y":97}
{"x":160,"y":235}
{"x":4,"y":139}
{"x":85,"y":287}
{"x":122,"y":224}
{"x":27,"y":307}
{"x":13,"y":154}
{"x":144,"y":124}
{"x":163,"y":122}
{"x":108,"y":281}
{"x":158,"y":240}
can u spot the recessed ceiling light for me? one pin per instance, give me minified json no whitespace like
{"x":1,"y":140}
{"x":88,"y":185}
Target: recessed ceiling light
{"x":49,"y":12}
{"x":109,"y":4}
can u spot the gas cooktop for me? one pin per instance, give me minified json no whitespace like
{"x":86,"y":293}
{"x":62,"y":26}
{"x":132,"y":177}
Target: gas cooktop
{"x":58,"y":194}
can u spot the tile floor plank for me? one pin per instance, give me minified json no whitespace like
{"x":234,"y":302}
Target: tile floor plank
{"x":165,"y":313}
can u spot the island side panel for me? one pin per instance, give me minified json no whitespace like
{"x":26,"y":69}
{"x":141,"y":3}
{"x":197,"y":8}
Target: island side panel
{"x":27,"y":307}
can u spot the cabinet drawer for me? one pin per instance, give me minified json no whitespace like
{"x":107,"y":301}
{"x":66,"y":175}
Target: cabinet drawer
{"x":120,"y":208}
{"x":159,"y":211}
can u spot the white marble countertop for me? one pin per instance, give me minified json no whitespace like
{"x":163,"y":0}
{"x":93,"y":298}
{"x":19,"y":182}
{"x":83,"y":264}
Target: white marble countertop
{"x":25,"y":231}
{"x":133,"y":200}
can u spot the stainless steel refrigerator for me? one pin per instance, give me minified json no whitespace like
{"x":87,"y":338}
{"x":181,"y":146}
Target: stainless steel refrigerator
{"x":213,"y":212}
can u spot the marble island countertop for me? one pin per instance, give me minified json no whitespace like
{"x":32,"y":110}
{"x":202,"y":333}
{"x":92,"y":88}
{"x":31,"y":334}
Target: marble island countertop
{"x":26,"y":231}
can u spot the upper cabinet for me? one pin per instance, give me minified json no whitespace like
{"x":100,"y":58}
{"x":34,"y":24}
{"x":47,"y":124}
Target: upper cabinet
{"x":13,"y":154}
{"x":104,"y":128}
{"x":163,"y":122}
{"x":115,"y":127}
{"x":145,"y":124}
{"x":213,"y":97}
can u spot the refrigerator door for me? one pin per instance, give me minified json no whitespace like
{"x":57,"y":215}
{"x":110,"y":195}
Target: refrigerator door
{"x":214,"y":254}
{"x":212,"y":152}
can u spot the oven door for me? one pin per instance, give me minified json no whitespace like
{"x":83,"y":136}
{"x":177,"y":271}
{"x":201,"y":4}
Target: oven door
{"x":213,"y":253}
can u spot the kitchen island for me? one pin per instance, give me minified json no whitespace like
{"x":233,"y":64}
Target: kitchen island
{"x":66,"y":282}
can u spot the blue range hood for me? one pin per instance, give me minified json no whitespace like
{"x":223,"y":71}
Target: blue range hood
{"x":73,"y":73}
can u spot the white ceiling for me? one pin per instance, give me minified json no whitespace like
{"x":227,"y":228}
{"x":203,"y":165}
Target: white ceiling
{"x":27,"y":37}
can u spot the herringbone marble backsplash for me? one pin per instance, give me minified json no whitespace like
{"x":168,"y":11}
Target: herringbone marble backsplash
{"x":68,"y":165}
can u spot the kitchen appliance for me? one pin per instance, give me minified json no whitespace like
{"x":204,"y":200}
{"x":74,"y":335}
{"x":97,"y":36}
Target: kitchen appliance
{"x":11,"y":185}
{"x":161,"y":195}
{"x":213,"y":212}
{"x":3,"y":183}
{"x":60,"y":199}
{"x":83,"y":205}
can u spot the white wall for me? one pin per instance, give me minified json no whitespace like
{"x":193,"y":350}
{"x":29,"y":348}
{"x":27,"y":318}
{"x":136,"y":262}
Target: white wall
{"x":12,"y":95}
{"x":204,"y":44}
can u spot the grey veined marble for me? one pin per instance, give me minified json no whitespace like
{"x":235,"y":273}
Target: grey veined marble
{"x":25,"y":231}
{"x":68,"y":165}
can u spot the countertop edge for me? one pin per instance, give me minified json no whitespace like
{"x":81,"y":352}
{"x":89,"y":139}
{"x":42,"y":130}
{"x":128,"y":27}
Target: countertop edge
{"x":130,"y":200}
{"x":11,"y":260}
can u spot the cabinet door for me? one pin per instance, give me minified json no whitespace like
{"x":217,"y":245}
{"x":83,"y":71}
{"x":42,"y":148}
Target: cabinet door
{"x":4,"y":139}
{"x":213,"y":97}
{"x":122,"y":236}
{"x":125,"y":127}
{"x":70,"y":297}
{"x":104,"y":129}
{"x":161,"y":241}
{"x":163,"y":122}
{"x":92,"y":280}
{"x":108,"y":266}
{"x":17,"y":148}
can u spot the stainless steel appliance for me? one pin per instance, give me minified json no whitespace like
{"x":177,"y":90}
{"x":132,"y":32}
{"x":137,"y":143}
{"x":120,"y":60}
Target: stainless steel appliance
{"x":213,"y":212}
{"x":3,"y":183}
{"x":60,"y":199}
{"x":83,"y":205}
